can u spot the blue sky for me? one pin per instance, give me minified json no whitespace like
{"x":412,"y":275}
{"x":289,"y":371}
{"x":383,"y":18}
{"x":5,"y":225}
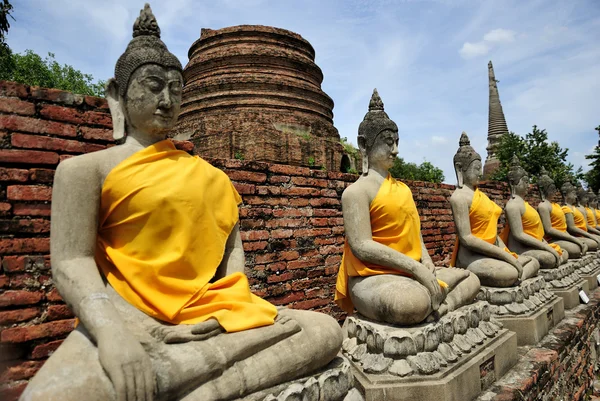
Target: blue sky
{"x":428,"y":59}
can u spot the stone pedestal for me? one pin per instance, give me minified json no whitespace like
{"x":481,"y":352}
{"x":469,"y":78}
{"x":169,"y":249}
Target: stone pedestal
{"x":566,"y":282}
{"x":530,"y":310}
{"x":334,"y":383}
{"x":588,"y":267}
{"x":452,"y":359}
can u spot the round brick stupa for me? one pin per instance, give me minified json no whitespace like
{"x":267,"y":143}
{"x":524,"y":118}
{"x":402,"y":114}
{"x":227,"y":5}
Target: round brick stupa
{"x":254,"y":92}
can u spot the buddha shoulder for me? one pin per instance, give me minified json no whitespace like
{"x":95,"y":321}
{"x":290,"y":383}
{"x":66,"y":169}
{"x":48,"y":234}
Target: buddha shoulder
{"x":363,"y":190}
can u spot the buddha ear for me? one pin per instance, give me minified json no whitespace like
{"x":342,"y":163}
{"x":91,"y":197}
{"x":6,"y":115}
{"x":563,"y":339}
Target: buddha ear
{"x":362,"y":146}
{"x":117,"y":108}
{"x":459,"y":175}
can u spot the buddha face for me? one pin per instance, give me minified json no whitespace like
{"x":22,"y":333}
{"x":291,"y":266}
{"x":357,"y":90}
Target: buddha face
{"x":522,"y":186}
{"x":571,"y":196}
{"x":384,"y":150}
{"x":550,"y":190}
{"x":153,"y":99}
{"x":472,"y":174}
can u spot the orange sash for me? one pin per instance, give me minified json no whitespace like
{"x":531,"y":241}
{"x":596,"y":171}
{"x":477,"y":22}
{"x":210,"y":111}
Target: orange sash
{"x":165,"y":218}
{"x":532,"y":225}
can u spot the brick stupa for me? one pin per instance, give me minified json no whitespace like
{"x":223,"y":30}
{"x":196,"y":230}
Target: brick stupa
{"x":496,"y":125}
{"x":254,"y":92}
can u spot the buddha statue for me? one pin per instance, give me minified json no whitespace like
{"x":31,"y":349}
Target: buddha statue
{"x":386,"y":272}
{"x":478,"y":247}
{"x":576,"y":221}
{"x":593,"y":203}
{"x":583,"y":205}
{"x":146,"y":250}
{"x":524,"y":232}
{"x":554,"y":220}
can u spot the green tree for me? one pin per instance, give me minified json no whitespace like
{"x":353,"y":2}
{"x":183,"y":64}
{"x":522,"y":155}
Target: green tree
{"x":29,"y":68}
{"x":536,"y":151}
{"x":592,"y":177}
{"x":6,"y":63}
{"x":411,"y":171}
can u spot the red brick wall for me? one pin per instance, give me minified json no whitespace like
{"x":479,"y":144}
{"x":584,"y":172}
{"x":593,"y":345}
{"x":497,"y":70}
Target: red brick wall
{"x":291,"y":221}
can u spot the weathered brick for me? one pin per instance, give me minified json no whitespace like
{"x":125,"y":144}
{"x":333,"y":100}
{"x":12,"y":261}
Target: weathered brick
{"x":13,"y":174}
{"x":13,"y":390}
{"x":28,"y":157}
{"x":310,"y":303}
{"x":17,"y":106}
{"x":97,"y":118}
{"x":236,"y":175}
{"x":31,"y":226}
{"x":255,"y":246}
{"x":20,"y":371}
{"x":9,"y":88}
{"x":102,"y":134}
{"x":57,"y":312}
{"x":255,"y":235}
{"x":20,"y":297}
{"x":309,"y":182}
{"x":36,"y":126}
{"x":18,"y":315}
{"x":244,"y":189}
{"x":47,"y":143}
{"x":45,"y":350}
{"x":41,"y":175}
{"x":56,"y":96}
{"x":4,"y":281}
{"x":24,"y":245}
{"x":29,"y":192}
{"x":5,"y":208}
{"x":53,"y":296}
{"x":289,"y":170}
{"x":31,"y":209}
{"x":44,"y":330}
{"x":96,"y":102}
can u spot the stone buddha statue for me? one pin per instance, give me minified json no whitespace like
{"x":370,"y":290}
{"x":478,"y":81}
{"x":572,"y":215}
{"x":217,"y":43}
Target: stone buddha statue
{"x":146,"y":250}
{"x":554,"y":220}
{"x":583,"y":198}
{"x":593,"y":203}
{"x":576,"y":221}
{"x":386,"y":272}
{"x":524,"y":231}
{"x":478,"y":247}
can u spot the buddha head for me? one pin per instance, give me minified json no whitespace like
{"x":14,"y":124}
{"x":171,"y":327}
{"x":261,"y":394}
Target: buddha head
{"x":592,"y":199}
{"x":582,"y":195}
{"x":145,"y":94}
{"x":568,"y":192}
{"x":467,"y":163}
{"x":377,"y":137}
{"x":517,"y":178}
{"x":546,"y":185}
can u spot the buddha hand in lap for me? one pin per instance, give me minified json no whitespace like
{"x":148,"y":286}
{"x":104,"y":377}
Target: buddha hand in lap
{"x":146,"y":250}
{"x":478,"y":247}
{"x":576,"y":221}
{"x":386,"y":271}
{"x":524,"y":232}
{"x":554,"y":220}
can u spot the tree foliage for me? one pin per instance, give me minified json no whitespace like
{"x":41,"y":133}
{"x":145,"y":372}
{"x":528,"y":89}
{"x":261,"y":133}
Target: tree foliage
{"x":29,"y":68}
{"x":411,"y":171}
{"x":535,"y":152}
{"x":592,"y":177}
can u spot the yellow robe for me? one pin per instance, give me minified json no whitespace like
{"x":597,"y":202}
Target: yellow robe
{"x":532,"y":225}
{"x":589,"y":214}
{"x":165,"y":217}
{"x":483,"y":217}
{"x":557,"y":218}
{"x":577,"y":217}
{"x":395,"y":223}
{"x":597,"y":212}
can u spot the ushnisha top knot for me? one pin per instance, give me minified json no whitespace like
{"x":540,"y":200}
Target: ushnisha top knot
{"x":515,"y":171}
{"x":376,"y":121}
{"x":145,"y":48}
{"x":465,"y":154}
{"x":146,"y":23}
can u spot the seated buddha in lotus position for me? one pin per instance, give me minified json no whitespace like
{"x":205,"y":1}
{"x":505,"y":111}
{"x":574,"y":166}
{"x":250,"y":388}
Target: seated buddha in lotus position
{"x":478,"y":247}
{"x":576,"y":221}
{"x":554,"y":220}
{"x":593,"y":203}
{"x":146,"y":250}
{"x":524,"y":231}
{"x":583,"y":198}
{"x":386,"y":272}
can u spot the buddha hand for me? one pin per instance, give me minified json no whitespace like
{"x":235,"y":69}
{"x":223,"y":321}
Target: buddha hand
{"x":184,"y":333}
{"x":128,"y":366}
{"x":428,"y":280}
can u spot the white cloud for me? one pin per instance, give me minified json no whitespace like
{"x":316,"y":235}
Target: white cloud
{"x":499,"y":36}
{"x":470,"y":50}
{"x":439,"y":140}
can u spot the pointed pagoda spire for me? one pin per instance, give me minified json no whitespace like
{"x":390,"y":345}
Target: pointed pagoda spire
{"x":496,"y":123}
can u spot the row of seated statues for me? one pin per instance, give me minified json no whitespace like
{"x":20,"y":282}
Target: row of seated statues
{"x":146,"y":250}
